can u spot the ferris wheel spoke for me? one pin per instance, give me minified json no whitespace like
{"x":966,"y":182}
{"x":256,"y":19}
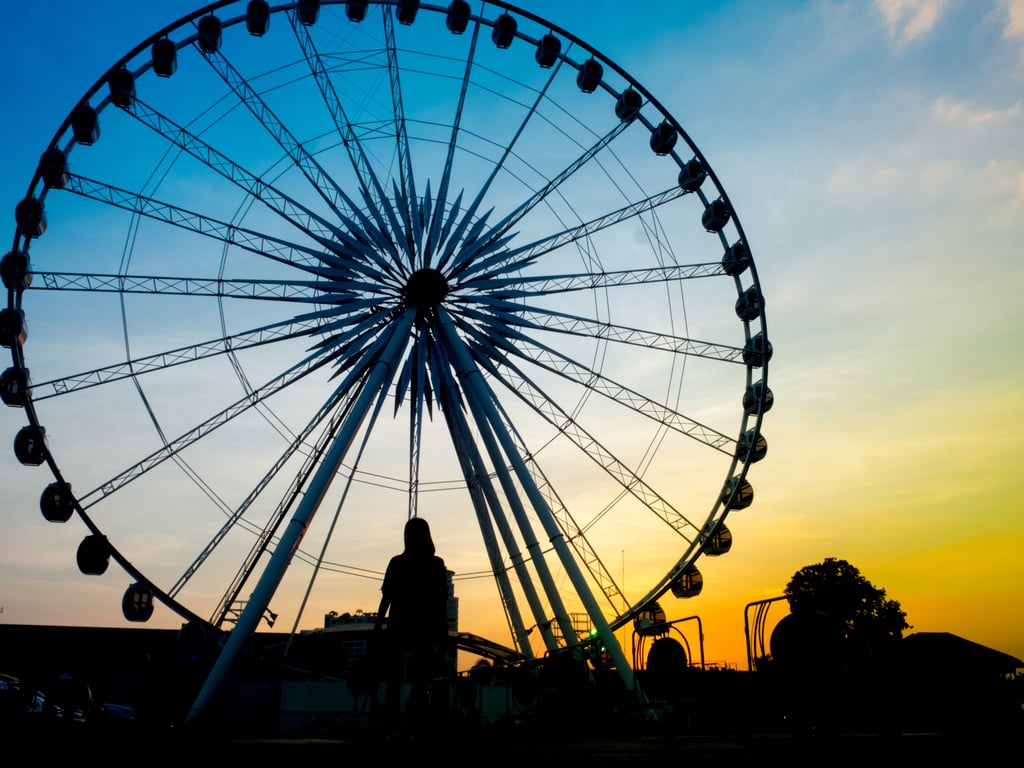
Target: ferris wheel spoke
{"x":569,"y":427}
{"x":349,"y":339}
{"x":341,"y":204}
{"x":167,"y":285}
{"x":487,"y":509}
{"x":467,"y":234}
{"x":439,"y":222}
{"x":406,"y":184}
{"x":533,"y":286}
{"x":291,"y":211}
{"x":274,"y":248}
{"x":318,"y":178}
{"x":412,"y":378}
{"x":595,"y":381}
{"x":498,"y":321}
{"x":370,"y":186}
{"x":537,"y":319}
{"x":169,"y":450}
{"x":379,"y":373}
{"x":337,"y":408}
{"x":415,"y":444}
{"x":378,"y":264}
{"x":256,"y":337}
{"x":567,"y":524}
{"x":481,"y":401}
{"x":513,"y":259}
{"x":509,"y":148}
{"x":592,"y":380}
{"x":499,"y":459}
{"x":577,"y":537}
{"x":371,"y":418}
{"x":466,"y":266}
{"x":446,"y":372}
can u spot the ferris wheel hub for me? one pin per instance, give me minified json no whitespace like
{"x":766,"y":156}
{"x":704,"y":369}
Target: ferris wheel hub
{"x":426,"y":289}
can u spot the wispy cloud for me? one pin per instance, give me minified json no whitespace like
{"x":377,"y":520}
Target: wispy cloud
{"x":957,"y":112}
{"x":1015,"y":19}
{"x":1014,"y":29}
{"x":908,"y":20}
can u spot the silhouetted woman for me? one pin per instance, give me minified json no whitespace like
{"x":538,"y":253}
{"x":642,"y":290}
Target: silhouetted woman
{"x":414,"y":598}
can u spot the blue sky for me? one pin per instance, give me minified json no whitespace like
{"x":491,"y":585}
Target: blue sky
{"x":873,"y":151}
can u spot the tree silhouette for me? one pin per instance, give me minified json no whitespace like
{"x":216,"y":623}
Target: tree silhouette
{"x":870,"y":624}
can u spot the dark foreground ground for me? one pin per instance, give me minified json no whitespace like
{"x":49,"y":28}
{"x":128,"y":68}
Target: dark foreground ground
{"x":695,"y":752}
{"x":498,"y":748}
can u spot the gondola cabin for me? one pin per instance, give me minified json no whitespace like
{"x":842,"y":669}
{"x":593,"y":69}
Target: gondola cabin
{"x":688,"y":584}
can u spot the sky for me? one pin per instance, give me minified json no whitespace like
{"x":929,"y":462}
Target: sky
{"x":874,"y":152}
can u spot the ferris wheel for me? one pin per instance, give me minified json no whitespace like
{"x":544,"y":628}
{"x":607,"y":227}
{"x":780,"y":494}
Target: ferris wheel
{"x":299,"y":271}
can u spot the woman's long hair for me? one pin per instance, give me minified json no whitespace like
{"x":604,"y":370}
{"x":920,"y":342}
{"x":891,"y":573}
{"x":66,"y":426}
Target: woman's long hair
{"x":417,"y":538}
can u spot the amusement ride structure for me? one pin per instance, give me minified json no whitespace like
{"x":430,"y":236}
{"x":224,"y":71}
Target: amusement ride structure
{"x":316,"y":267}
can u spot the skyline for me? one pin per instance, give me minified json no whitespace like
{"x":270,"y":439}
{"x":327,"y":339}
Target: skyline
{"x":873,"y":153}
